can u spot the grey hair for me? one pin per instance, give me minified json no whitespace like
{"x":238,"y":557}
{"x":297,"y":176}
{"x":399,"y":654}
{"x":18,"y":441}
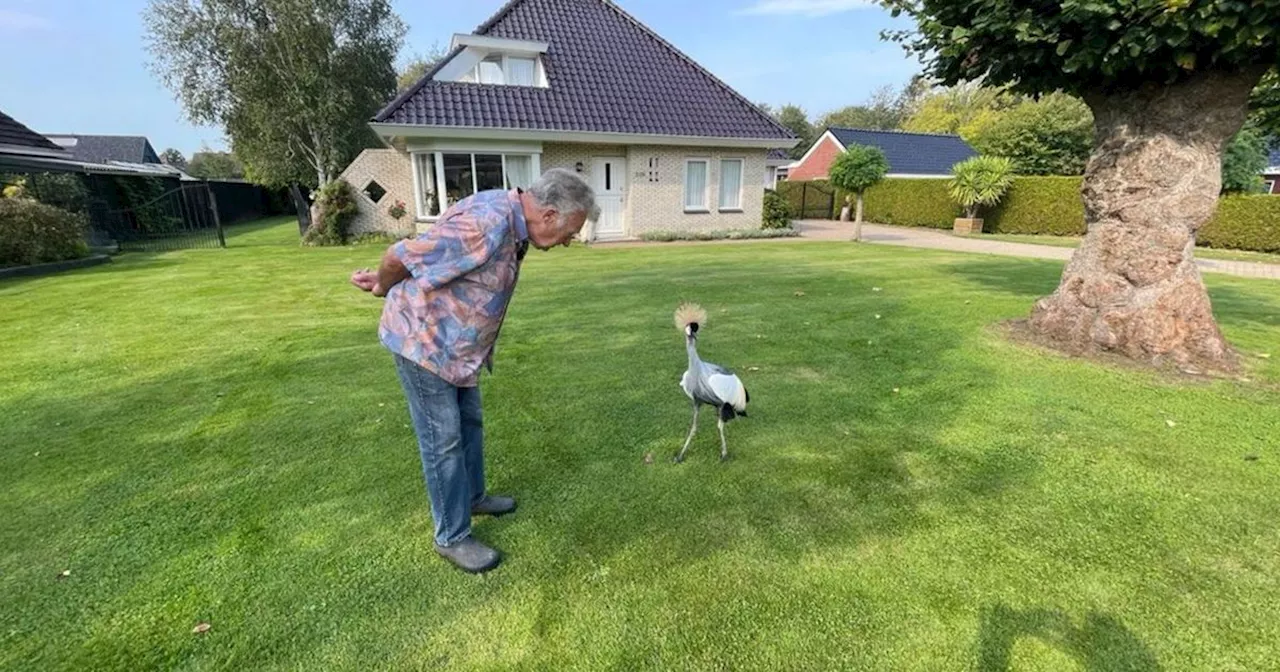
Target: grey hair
{"x":567,"y":193}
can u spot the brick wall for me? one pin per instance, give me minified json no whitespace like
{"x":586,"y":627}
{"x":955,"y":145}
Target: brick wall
{"x":816,"y":165}
{"x":391,"y":169}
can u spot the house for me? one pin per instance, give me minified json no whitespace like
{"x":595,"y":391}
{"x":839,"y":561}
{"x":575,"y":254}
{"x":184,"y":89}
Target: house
{"x":23,"y":149}
{"x":909,"y":154}
{"x":775,"y":167}
{"x":1271,"y":176}
{"x":575,"y":84}
{"x":104,"y":149}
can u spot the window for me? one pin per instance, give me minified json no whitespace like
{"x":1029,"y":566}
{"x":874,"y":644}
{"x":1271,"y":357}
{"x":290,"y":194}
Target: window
{"x":522,"y":71}
{"x":1269,"y":186}
{"x":508,"y":70}
{"x":653,"y":169}
{"x":424,"y":170}
{"x":695,"y":184}
{"x":730,"y":184}
{"x":374,"y":191}
{"x":462,"y":174}
{"x":519,"y":170}
{"x":489,"y":71}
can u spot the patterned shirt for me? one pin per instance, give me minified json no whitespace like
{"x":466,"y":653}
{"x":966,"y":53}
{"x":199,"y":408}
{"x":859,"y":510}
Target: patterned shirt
{"x":447,"y":316}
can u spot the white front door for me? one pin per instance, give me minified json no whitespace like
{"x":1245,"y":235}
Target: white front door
{"x":609,"y":179}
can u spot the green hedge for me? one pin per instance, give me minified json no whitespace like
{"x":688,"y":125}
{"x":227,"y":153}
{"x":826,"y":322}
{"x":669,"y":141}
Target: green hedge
{"x":1244,"y":222}
{"x":34,"y":233}
{"x":1039,"y":205}
{"x":1052,"y":206}
{"x":908,"y":202}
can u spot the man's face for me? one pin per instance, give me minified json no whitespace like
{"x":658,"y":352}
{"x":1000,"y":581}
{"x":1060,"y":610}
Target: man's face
{"x":551,"y":236}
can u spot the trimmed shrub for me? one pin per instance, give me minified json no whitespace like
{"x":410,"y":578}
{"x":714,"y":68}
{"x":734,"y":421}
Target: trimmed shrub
{"x":911,"y":202}
{"x":34,"y":233}
{"x":1244,"y":222}
{"x":741,"y":234}
{"x":334,"y":209}
{"x":1040,"y":205}
{"x":777,"y":211}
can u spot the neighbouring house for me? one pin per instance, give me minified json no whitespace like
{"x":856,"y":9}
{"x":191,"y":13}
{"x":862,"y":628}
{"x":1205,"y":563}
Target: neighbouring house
{"x":1271,"y":176}
{"x":23,"y":149}
{"x":909,"y":154}
{"x":775,"y":167}
{"x":106,"y":148}
{"x":581,"y":85}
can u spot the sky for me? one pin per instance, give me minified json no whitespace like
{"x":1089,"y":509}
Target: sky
{"x":81,"y":66}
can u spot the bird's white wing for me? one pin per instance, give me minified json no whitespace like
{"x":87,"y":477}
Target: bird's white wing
{"x":729,"y":388}
{"x":684,"y":384}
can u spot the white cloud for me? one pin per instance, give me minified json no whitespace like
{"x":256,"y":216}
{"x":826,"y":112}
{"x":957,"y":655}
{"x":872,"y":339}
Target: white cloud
{"x":13,"y":20}
{"x":805,"y":7}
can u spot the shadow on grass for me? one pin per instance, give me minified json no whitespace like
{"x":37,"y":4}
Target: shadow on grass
{"x":1021,"y":277}
{"x":1100,"y":643}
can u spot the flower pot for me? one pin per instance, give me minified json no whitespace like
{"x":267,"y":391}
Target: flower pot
{"x":966,"y":225}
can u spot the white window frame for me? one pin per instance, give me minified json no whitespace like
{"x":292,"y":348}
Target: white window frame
{"x":535,"y":159}
{"x":539,"y":74}
{"x":684,"y":189}
{"x":1270,"y":185}
{"x":742,"y":179}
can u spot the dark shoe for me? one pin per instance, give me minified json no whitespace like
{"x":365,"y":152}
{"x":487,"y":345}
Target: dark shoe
{"x":470,"y":555}
{"x":493,"y":505}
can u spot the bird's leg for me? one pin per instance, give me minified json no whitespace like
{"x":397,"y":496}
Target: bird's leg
{"x":724,"y":448}
{"x":692,"y":430}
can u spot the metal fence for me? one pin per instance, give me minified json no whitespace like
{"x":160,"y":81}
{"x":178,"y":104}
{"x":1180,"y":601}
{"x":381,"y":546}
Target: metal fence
{"x":809,"y":200}
{"x":184,"y":217}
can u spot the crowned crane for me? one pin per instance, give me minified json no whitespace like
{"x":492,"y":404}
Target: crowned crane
{"x":707,"y":383}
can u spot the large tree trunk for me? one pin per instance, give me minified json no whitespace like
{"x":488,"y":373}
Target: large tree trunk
{"x":1133,"y":287}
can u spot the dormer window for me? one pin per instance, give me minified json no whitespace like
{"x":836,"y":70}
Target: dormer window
{"x":496,"y":61}
{"x":508,"y":70}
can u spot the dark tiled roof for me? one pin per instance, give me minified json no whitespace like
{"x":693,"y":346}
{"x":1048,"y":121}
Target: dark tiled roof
{"x":103,"y":148}
{"x":778,"y":155}
{"x":608,"y":73}
{"x":14,"y":133}
{"x":910,"y":153}
{"x":1273,"y":159}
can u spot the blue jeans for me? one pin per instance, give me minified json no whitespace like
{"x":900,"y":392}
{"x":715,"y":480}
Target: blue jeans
{"x":450,"y":429}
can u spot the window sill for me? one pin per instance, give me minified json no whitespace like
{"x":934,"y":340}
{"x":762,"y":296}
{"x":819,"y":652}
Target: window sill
{"x":696,"y":211}
{"x":730,"y":210}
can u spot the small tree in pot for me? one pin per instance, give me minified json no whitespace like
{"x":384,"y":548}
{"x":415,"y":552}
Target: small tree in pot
{"x":976,"y":183}
{"x":859,"y":168}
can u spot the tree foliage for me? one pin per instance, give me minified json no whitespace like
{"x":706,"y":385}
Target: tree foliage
{"x":1243,"y":162}
{"x":1083,"y":46}
{"x":858,"y":168}
{"x":173,"y":157}
{"x":292,"y":82}
{"x":418,"y":66}
{"x":795,"y":119}
{"x":209,"y":165}
{"x":886,"y":109}
{"x":980,"y":182}
{"x":1264,"y":105}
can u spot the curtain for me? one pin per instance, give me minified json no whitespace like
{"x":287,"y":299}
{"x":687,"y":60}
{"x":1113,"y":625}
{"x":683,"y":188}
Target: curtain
{"x":520,"y":71}
{"x":425,"y":166}
{"x":730,"y":184}
{"x":695,"y":185}
{"x":519,"y":171}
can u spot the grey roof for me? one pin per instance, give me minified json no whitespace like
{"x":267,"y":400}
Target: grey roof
{"x":1273,"y":159}
{"x":910,"y":153}
{"x":104,"y":148}
{"x":14,"y":133}
{"x":778,"y":156}
{"x":608,"y":73}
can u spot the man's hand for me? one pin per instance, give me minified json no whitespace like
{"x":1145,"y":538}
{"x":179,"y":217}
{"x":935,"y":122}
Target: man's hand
{"x":365,"y":279}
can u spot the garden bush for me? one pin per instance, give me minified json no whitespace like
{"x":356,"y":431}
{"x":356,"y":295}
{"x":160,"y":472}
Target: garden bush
{"x":777,"y":211}
{"x":34,"y":233}
{"x":334,"y":209}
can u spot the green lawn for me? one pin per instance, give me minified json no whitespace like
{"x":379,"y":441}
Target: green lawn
{"x":215,"y":435}
{"x":1072,"y":241}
